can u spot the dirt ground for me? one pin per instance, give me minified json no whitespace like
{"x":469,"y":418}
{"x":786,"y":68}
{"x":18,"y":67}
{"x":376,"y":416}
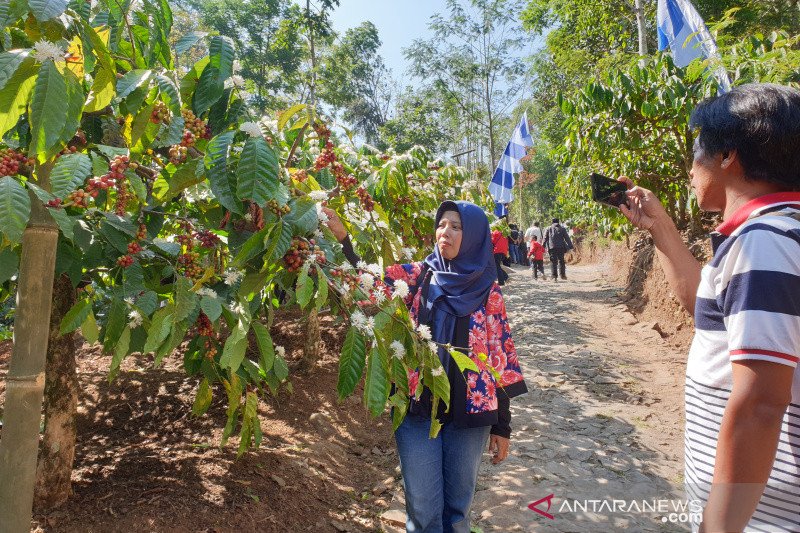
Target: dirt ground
{"x":604,"y":419}
{"x":143,"y":463}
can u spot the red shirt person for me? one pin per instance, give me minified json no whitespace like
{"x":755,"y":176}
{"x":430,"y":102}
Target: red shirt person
{"x":500,"y":242}
{"x":537,"y":251}
{"x":536,"y":255}
{"x":500,"y":250}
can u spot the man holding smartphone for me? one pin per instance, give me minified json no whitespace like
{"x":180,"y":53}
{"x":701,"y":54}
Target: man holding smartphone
{"x":742,"y":386}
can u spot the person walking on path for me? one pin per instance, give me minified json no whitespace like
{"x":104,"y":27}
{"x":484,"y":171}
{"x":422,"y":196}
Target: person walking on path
{"x":742,"y":440}
{"x":500,"y":251}
{"x":535,"y":229}
{"x":536,"y":256}
{"x":454,"y":293}
{"x":513,"y":245}
{"x":522,"y":249}
{"x":557,"y":243}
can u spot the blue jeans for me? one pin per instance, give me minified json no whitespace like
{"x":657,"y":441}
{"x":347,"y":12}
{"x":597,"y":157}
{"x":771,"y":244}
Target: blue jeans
{"x":514,"y":253}
{"x":439,"y":475}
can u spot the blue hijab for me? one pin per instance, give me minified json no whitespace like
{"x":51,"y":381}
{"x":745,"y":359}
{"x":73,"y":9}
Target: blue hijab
{"x":458,"y":287}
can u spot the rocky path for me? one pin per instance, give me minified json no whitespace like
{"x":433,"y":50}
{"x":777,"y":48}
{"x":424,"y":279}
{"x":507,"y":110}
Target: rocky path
{"x":603,"y":419}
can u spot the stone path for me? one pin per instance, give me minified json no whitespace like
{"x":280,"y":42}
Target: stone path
{"x":586,"y":429}
{"x":602,"y":421}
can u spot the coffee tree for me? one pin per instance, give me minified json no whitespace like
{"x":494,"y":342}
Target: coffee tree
{"x":178,"y":216}
{"x":634,"y":120}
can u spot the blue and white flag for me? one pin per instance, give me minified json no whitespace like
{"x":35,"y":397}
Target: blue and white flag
{"x":502,"y":185}
{"x":500,"y":210}
{"x":682,"y":29}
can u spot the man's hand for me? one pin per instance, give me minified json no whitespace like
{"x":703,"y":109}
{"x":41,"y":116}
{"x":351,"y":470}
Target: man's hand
{"x":645,"y":208}
{"x":498,"y":447}
{"x":335,"y":224}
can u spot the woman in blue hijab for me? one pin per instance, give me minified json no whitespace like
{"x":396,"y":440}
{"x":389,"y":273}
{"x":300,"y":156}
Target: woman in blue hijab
{"x":454,"y":292}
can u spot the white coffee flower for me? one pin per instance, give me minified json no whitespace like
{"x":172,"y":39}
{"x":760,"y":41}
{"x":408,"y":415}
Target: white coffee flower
{"x":318,"y":196}
{"x":270,"y":123}
{"x":398,"y":350}
{"x":370,"y":326}
{"x":424,"y":332}
{"x":251,"y":128}
{"x":361,"y":265}
{"x":408,"y":253}
{"x":318,"y":234}
{"x":359,"y":320}
{"x":374,"y":269}
{"x":238,"y":309}
{"x":366,"y":280}
{"x":235,"y":81}
{"x":432,"y":346}
{"x":313,"y":150}
{"x":232,"y":276}
{"x":248,"y":217}
{"x":237,"y":66}
{"x":129,"y":300}
{"x":438,"y":371}
{"x":321,"y":215}
{"x":400,"y":289}
{"x":381,"y":224}
{"x":47,"y":51}
{"x":280,"y":351}
{"x":135,"y":318}
{"x":379,"y":296}
{"x":205,"y":291}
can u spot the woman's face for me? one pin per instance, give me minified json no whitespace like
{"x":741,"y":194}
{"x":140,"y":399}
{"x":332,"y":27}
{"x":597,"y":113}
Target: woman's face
{"x":448,"y":234}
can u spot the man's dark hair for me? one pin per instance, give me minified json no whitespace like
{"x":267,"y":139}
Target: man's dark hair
{"x":555,"y":221}
{"x":761,"y":121}
{"x":537,"y":223}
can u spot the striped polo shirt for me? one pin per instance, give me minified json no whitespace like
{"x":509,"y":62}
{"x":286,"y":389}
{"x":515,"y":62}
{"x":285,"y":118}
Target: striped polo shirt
{"x":748,"y":308}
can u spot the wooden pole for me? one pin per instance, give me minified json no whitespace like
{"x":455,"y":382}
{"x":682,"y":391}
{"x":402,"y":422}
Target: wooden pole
{"x":26,"y":378}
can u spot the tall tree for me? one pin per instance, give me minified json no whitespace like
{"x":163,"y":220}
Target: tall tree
{"x":417,"y":120}
{"x":267,"y":36}
{"x":316,"y":24}
{"x":355,"y":79}
{"x":472,"y":57}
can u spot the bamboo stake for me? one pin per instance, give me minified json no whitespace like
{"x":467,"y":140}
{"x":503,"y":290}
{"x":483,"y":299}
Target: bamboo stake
{"x":25,"y":381}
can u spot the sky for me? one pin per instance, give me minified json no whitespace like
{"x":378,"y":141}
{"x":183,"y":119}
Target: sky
{"x":399,"y":22}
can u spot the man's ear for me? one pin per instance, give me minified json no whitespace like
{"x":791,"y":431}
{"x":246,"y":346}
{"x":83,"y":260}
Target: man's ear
{"x":728,"y":159}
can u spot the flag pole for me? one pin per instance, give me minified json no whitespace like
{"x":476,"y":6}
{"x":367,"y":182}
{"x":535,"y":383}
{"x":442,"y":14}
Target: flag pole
{"x":519,"y":197}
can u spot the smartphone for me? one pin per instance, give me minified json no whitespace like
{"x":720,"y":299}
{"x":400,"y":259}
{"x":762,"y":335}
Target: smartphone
{"x":608,"y":191}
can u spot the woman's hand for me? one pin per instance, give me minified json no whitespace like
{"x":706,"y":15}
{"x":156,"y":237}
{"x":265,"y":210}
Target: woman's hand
{"x":498,"y":447}
{"x":645,"y":208}
{"x":335,"y":224}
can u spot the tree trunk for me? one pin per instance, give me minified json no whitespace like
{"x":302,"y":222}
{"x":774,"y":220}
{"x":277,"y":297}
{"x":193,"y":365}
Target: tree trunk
{"x":25,"y":380}
{"x":641,"y":27}
{"x":313,"y":89}
{"x":313,"y":340}
{"x":491,"y":124}
{"x":54,"y":472}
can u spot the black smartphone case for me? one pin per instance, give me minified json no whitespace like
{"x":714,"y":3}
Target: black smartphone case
{"x":608,"y":191}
